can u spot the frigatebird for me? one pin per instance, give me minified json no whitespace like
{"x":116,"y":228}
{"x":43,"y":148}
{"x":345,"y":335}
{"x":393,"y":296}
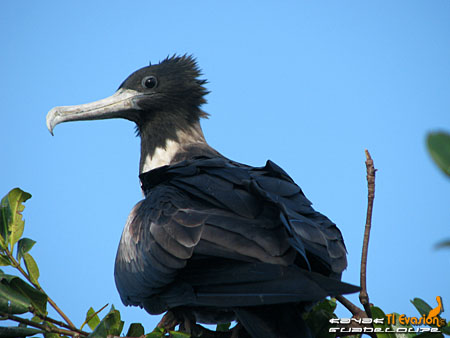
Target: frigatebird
{"x":213,"y":240}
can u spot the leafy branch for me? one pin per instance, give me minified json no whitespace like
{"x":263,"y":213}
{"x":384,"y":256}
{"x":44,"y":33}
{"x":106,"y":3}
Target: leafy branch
{"x":19,"y":296}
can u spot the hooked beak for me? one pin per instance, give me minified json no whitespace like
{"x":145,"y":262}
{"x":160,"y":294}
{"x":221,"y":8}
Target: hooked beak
{"x":118,"y":105}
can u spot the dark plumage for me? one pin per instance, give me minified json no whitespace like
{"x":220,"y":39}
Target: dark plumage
{"x":213,"y":240}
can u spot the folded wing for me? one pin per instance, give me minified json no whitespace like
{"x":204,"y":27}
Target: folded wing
{"x":216,"y":233}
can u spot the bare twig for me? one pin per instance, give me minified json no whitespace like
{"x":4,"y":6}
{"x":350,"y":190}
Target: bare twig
{"x":355,"y":310}
{"x":357,"y":313}
{"x":92,"y":316}
{"x":363,"y":295}
{"x":62,"y":324}
{"x":61,"y":313}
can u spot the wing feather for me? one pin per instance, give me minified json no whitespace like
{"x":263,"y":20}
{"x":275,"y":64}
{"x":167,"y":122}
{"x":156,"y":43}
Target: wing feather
{"x":200,"y":213}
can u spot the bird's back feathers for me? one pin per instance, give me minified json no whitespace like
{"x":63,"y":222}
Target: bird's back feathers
{"x":215,"y":233}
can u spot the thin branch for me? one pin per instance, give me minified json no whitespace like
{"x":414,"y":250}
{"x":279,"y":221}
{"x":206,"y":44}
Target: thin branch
{"x":62,"y":324}
{"x":61,"y":313}
{"x":356,"y":313}
{"x":363,"y":295}
{"x":355,"y":310}
{"x":44,"y":327}
{"x":92,"y":316}
{"x":16,"y":264}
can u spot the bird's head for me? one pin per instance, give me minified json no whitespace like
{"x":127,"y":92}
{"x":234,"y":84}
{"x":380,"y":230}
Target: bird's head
{"x":167,"y":95}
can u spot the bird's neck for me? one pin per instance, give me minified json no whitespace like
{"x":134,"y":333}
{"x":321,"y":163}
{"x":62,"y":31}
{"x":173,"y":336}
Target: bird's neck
{"x":157,"y":151}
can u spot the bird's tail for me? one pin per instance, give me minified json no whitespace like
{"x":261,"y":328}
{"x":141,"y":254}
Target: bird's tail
{"x":273,"y":321}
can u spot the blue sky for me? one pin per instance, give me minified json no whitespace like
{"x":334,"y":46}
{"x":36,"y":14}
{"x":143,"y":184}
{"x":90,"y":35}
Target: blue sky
{"x":307,"y":84}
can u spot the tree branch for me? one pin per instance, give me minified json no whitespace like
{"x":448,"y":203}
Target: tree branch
{"x":16,"y":264}
{"x":355,"y":310}
{"x":62,"y":324}
{"x":44,"y":327}
{"x":363,"y":295}
{"x":92,"y":316}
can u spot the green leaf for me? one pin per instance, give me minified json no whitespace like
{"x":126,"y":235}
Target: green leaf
{"x":443,"y":244}
{"x":156,"y":333}
{"x":318,"y":318}
{"x":446,"y":329}
{"x":421,"y":306}
{"x":12,"y":301}
{"x":398,"y":325}
{"x":92,"y":319}
{"x":5,"y":213}
{"x":177,"y":334}
{"x":23,"y":246}
{"x":17,"y":331}
{"x":36,"y":298}
{"x":223,"y":327}
{"x":327,"y":305}
{"x":135,"y":330}
{"x":439,"y":147}
{"x":16,"y":197}
{"x":51,"y":335}
{"x":32,"y":268}
{"x":37,"y":319}
{"x":4,"y":260}
{"x":378,"y":313}
{"x":110,"y":325}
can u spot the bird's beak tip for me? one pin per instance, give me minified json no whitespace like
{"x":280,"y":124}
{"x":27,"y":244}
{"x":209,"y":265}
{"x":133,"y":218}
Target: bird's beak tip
{"x":50,"y":119}
{"x":50,"y":128}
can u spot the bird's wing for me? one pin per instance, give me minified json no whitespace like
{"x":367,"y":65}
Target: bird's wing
{"x":314,"y":236}
{"x":231,"y":234}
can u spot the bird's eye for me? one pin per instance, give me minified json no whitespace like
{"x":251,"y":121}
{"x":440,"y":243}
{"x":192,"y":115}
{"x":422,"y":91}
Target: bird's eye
{"x":149,"y":82}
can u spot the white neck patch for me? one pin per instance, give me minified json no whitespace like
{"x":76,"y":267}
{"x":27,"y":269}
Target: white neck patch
{"x":164,"y":155}
{"x":161,"y":156}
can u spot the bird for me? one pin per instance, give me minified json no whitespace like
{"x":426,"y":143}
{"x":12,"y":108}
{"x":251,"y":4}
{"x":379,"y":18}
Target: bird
{"x":437,"y":310}
{"x":213,"y":240}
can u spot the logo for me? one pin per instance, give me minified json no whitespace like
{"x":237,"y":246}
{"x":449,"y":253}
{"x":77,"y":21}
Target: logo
{"x":392,"y":323}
